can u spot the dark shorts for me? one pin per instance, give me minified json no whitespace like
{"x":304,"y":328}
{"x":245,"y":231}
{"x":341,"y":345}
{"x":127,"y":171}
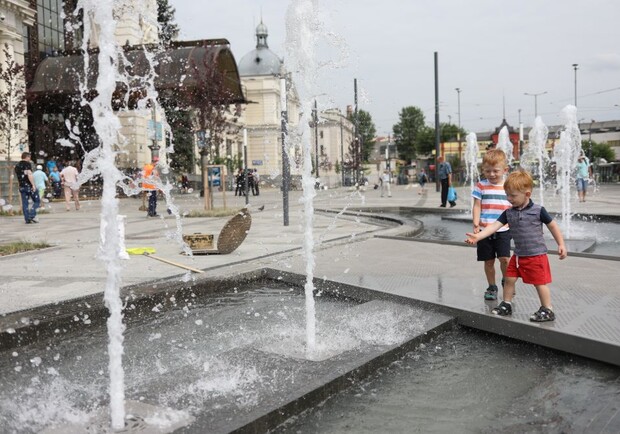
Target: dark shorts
{"x":534,"y":270}
{"x":496,"y":246}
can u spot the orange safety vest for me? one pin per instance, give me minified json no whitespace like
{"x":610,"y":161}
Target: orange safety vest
{"x":148,"y":172}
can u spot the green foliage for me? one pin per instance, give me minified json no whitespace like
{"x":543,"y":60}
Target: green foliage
{"x":12,"y":101}
{"x":337,"y":167}
{"x":366,"y":130}
{"x":600,"y":150}
{"x":183,"y":159}
{"x":450,"y":132}
{"x":168,"y":29}
{"x":407,"y":132}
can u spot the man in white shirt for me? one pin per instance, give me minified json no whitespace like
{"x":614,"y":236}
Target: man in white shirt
{"x":69,"y":178}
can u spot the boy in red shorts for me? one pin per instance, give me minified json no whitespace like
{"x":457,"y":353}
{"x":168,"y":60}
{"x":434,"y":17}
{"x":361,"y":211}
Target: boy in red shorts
{"x":530,"y":261}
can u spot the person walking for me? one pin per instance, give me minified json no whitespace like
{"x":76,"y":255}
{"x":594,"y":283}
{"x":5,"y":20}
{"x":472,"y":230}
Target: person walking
{"x":584,"y":174}
{"x":56,"y":182}
{"x":27,"y":188}
{"x":151,"y":178}
{"x":422,"y":179}
{"x":256,"y":182}
{"x":445,"y":178}
{"x":385,"y":183}
{"x":489,"y":202}
{"x":40,"y":181}
{"x":530,"y":261}
{"x":69,"y":178}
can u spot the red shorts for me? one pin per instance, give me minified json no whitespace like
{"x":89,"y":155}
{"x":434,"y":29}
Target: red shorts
{"x":534,"y":270}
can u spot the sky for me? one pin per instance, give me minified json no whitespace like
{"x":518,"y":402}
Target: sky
{"x":493,"y":51}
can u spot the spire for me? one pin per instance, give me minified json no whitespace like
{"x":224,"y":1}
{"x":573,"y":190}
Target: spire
{"x":261,"y":35}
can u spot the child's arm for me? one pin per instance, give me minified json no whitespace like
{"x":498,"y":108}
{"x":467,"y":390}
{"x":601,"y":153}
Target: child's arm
{"x":475,"y":212}
{"x":554,"y":228}
{"x":488,"y":231}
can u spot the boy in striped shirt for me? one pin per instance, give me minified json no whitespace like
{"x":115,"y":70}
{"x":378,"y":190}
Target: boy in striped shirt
{"x":489,"y":202}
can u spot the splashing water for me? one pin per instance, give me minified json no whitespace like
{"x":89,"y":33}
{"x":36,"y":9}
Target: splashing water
{"x":565,"y":156}
{"x":302,"y":28}
{"x":99,"y":15}
{"x":471,"y":160}
{"x":503,"y":143}
{"x":535,"y":157}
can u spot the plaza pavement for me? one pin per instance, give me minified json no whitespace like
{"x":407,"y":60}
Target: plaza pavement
{"x":352,"y":249}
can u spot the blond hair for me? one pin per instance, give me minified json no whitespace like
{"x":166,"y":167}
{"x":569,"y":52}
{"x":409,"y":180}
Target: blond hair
{"x":520,"y":181}
{"x":494,"y":157}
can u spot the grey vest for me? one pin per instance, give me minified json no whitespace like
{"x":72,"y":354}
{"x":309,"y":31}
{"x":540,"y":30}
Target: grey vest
{"x":526,"y":230}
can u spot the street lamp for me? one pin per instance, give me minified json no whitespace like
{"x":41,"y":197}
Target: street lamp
{"x":458,"y":133}
{"x":575,"y":67}
{"x":535,"y":95}
{"x":315,"y":118}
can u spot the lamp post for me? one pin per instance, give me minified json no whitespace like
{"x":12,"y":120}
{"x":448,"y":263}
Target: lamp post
{"x":203,"y":137}
{"x":315,"y":118}
{"x":286,"y":170}
{"x":535,"y":95}
{"x":154,"y":147}
{"x":458,"y":133}
{"x":245,"y":166}
{"x":575,"y":67}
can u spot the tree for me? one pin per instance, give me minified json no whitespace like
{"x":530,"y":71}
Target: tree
{"x":168,"y":29}
{"x":407,"y":132}
{"x":366,"y":130}
{"x":12,"y":102}
{"x":601,"y":150}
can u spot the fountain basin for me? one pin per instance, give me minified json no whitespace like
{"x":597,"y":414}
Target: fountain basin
{"x":211,"y":355}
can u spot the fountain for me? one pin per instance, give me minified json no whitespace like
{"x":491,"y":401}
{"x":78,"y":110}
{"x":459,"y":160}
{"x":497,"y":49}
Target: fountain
{"x":215,"y":355}
{"x":472,"y":151}
{"x":535,"y":158}
{"x":565,"y":156}
{"x":504,"y":144}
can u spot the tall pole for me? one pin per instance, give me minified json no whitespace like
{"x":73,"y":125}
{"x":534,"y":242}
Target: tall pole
{"x":155,"y":145}
{"x":341,"y":151}
{"x":315,"y":117}
{"x":357,"y":141}
{"x":575,"y":67}
{"x":437,"y":182}
{"x":458,"y":133}
{"x":535,"y":95}
{"x":286,"y":171}
{"x":520,"y":136}
{"x":245,"y":166}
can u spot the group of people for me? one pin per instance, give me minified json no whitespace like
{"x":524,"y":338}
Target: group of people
{"x":33,"y":184}
{"x":253,"y":180}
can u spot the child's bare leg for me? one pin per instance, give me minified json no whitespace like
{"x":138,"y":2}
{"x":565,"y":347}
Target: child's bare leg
{"x":503,"y":265}
{"x":544,"y":294}
{"x":509,"y":289}
{"x":489,"y":271}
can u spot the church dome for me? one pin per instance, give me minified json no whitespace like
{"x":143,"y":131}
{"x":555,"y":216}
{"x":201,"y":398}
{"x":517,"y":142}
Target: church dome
{"x":260,"y":61}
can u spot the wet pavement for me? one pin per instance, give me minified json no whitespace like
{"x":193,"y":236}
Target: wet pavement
{"x":352,"y":248}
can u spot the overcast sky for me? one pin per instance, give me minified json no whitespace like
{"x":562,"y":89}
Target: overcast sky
{"x":492,"y":50}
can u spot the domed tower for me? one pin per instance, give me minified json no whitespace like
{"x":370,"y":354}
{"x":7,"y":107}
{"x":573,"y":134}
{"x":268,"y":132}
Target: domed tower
{"x":260,"y":61}
{"x":260,"y":71}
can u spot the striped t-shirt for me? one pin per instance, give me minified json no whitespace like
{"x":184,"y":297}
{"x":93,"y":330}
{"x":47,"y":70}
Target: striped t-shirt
{"x":493,"y":202}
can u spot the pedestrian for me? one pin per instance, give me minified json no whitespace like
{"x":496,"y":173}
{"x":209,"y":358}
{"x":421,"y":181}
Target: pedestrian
{"x":256,"y":177}
{"x":40,"y":181}
{"x":185,"y":183}
{"x":250,"y":175}
{"x":529,"y":261}
{"x":385,"y":183}
{"x":27,"y":188}
{"x":584,"y":174}
{"x":150,"y":177}
{"x":56,"y":182}
{"x":445,"y":178}
{"x":422,"y":179}
{"x":69,"y":178}
{"x":239,"y":183}
{"x":490,"y":201}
